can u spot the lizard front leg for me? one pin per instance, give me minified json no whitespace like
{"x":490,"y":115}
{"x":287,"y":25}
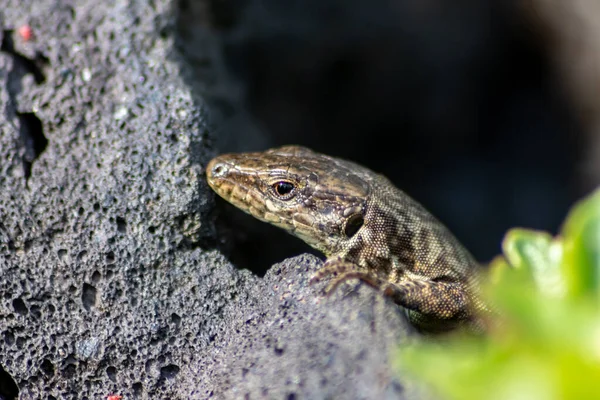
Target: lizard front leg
{"x":429,"y":303}
{"x":431,"y":299}
{"x":435,"y":306}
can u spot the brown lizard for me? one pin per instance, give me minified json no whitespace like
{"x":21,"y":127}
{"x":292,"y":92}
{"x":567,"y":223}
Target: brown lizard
{"x":367,"y":228}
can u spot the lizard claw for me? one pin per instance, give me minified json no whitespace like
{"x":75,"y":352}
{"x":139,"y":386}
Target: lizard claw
{"x":369,"y":279}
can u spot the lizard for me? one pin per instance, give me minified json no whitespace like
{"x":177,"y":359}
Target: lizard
{"x":366,"y":227}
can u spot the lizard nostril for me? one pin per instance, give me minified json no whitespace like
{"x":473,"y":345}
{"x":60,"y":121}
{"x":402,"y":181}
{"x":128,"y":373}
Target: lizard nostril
{"x":218,"y":170}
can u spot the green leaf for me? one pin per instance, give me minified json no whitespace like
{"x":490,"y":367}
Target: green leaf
{"x":538,"y":255}
{"x":581,"y":236}
{"x":546,"y":342}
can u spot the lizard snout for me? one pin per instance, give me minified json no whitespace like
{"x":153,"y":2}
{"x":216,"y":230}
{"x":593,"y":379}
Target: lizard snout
{"x":216,"y":169}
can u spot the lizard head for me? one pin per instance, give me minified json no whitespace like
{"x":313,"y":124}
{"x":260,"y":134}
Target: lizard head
{"x":318,"y":198}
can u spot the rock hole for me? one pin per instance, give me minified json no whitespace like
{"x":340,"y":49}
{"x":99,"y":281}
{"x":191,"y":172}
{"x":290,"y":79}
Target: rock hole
{"x":88,"y":296}
{"x":69,"y":371}
{"x":82,"y":256}
{"x":8,"y":387}
{"x":20,"y":307}
{"x":96,"y":276}
{"x":110,"y":257}
{"x":62,"y":254}
{"x":34,"y":141}
{"x":149,"y":366}
{"x":47,"y":367}
{"x":20,"y":342}
{"x":111,"y":372}
{"x":137,"y":388}
{"x":9,"y":338}
{"x":121,"y":225}
{"x":36,"y":311}
{"x":169,"y":371}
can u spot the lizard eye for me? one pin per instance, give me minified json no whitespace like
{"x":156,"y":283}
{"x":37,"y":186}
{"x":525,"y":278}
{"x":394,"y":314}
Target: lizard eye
{"x":284,"y":190}
{"x":353,"y":224}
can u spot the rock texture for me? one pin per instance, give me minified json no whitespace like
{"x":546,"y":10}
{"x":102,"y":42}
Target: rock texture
{"x":110,"y":277}
{"x":283,"y":341}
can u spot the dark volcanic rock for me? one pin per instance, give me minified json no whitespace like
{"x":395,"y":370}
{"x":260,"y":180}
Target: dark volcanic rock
{"x":288,"y":342}
{"x":109,"y":280}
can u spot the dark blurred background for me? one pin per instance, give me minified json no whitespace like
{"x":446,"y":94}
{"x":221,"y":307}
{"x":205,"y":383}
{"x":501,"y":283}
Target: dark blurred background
{"x":462,"y":104}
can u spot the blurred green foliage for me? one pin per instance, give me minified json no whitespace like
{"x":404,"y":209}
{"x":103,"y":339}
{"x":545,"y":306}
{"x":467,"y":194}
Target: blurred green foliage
{"x":545,"y":341}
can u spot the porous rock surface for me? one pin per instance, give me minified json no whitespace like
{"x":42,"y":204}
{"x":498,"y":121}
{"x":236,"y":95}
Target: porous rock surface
{"x":110,"y":281}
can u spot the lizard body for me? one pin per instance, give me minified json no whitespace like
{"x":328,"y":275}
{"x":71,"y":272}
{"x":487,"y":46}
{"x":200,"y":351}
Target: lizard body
{"x":366,"y":227}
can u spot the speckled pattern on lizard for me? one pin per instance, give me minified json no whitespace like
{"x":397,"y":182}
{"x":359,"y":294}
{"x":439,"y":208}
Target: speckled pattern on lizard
{"x":367,"y":228}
